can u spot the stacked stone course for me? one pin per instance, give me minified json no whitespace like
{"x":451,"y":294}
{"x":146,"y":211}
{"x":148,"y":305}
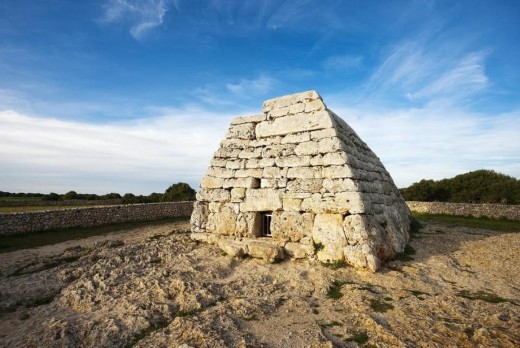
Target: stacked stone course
{"x":329,"y":194}
{"x":37,"y":221}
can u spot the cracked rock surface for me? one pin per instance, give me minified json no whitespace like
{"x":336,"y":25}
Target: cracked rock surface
{"x":155,"y":287}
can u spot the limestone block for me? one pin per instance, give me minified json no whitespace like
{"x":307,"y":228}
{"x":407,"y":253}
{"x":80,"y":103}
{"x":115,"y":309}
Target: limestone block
{"x":278,"y":150}
{"x":291,"y":225}
{"x":248,"y":173}
{"x":328,"y":231}
{"x":314,"y":105}
{"x":305,"y":185}
{"x":281,"y":183}
{"x":227,"y":152}
{"x":296,"y":138}
{"x":356,"y":229}
{"x":218,"y":172}
{"x":223,"y":222}
{"x":292,"y":99}
{"x":211,"y":182}
{"x":254,"y":163}
{"x":242,"y":131}
{"x":304,"y":173}
{"x":262,"y":200}
{"x":268,"y":183}
{"x":297,"y":195}
{"x":337,"y":171}
{"x":327,"y":145}
{"x":351,"y":202}
{"x":274,"y":172}
{"x":333,"y":158}
{"x":233,"y":248}
{"x":291,"y":204}
{"x":213,"y":195}
{"x":246,"y":224}
{"x":254,"y":152}
{"x":241,"y":182}
{"x":323,"y":133}
{"x":293,"y":161}
{"x":296,"y":108}
{"x":361,"y":256}
{"x":238,"y":194}
{"x":340,"y":185}
{"x":199,"y":217}
{"x":215,"y":207}
{"x":235,"y":143}
{"x":265,"y":141}
{"x":248,"y":119}
{"x":307,"y":148}
{"x":235,"y":164}
{"x":298,"y":250}
{"x":278,"y":112}
{"x":210,"y":238}
{"x":269,"y":252}
{"x":294,"y":124}
{"x":218,"y":162}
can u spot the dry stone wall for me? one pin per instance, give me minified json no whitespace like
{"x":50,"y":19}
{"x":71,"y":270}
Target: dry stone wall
{"x":329,"y":194}
{"x":494,"y":211}
{"x":19,"y":223}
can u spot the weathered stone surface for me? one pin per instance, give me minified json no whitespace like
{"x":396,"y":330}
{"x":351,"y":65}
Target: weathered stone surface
{"x":248,"y":119}
{"x":328,"y":232}
{"x":199,"y":217}
{"x":341,"y":171}
{"x":293,"y":161}
{"x":241,"y":182}
{"x":238,"y":194}
{"x":305,"y":185}
{"x":232,"y":247}
{"x":291,"y":225}
{"x":296,"y":138}
{"x":307,"y":148}
{"x":291,"y":204}
{"x":262,"y":200}
{"x":211,"y":182}
{"x":218,"y":172}
{"x":242,"y":131}
{"x":293,"y":124}
{"x":248,"y":173}
{"x":298,"y":250}
{"x":304,"y":173}
{"x":213,"y":195}
{"x":267,"y":251}
{"x":282,"y":102}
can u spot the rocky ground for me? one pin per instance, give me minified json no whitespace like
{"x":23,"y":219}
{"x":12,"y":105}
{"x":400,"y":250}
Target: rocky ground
{"x":154,"y":287}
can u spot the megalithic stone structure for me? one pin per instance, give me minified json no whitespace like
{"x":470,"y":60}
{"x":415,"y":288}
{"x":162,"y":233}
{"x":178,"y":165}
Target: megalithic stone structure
{"x":296,"y":181}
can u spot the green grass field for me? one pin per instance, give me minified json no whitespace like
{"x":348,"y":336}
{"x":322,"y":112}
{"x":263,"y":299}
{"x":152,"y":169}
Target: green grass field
{"x":500,"y":225}
{"x":33,"y":240}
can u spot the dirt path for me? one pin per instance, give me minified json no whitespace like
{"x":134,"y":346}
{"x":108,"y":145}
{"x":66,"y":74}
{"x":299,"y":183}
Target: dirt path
{"x":154,"y":287}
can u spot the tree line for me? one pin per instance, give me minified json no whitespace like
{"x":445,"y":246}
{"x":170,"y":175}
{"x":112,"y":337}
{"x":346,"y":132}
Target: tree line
{"x":480,"y":186}
{"x":176,"y":192}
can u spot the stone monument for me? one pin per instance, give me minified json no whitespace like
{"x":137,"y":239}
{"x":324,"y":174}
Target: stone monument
{"x":296,"y":181}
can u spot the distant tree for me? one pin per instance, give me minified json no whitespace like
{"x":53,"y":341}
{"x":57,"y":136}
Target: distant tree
{"x":111,"y":196}
{"x":481,"y":186}
{"x":70,"y":195}
{"x":155,"y":197}
{"x":51,"y":197}
{"x":179,"y":192}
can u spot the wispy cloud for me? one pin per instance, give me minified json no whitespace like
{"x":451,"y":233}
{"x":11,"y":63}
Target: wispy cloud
{"x":342,"y":62}
{"x":140,"y":15}
{"x":252,"y":87}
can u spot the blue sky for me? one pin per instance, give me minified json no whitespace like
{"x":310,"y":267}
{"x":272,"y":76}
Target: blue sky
{"x":131,"y":96}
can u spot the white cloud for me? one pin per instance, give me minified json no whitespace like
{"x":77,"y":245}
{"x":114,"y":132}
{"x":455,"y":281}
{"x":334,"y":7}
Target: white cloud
{"x":44,"y":154}
{"x":251,"y":87}
{"x":141,"y":15}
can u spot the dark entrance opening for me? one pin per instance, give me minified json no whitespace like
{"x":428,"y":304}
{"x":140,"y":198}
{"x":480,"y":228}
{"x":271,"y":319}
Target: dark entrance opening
{"x":265,"y":224}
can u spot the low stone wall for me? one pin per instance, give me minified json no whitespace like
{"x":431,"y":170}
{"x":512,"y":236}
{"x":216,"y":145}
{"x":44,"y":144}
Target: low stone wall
{"x":19,"y":223}
{"x":74,"y":202}
{"x":495,"y":211}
